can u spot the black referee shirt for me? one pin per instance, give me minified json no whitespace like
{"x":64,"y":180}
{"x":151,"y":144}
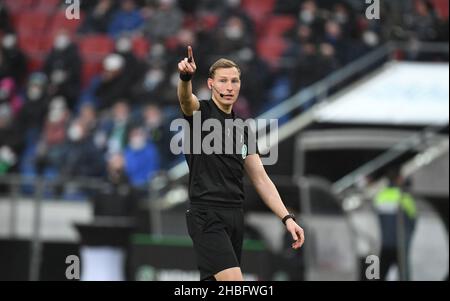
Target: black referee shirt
{"x":217,"y":178}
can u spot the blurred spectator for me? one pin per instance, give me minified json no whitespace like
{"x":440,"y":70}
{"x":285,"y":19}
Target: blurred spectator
{"x":117,"y":197}
{"x":5,"y":25}
{"x":88,"y":117}
{"x":35,"y":107}
{"x":9,"y":96}
{"x":310,"y":15}
{"x":113,"y":131}
{"x":141,"y":158}
{"x":51,"y":151}
{"x":304,"y":71}
{"x":287,"y":6}
{"x":233,"y":38}
{"x":10,"y":141}
{"x":127,"y":20}
{"x":84,"y":158}
{"x":233,"y":9}
{"x":157,"y":131}
{"x":63,"y":68}
{"x":115,"y":82}
{"x":15,"y":60}
{"x":423,"y":22}
{"x":165,"y":21}
{"x":397,"y":214}
{"x":98,"y":18}
{"x":134,"y":67}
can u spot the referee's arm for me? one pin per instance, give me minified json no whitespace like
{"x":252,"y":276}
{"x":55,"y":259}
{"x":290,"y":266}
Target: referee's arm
{"x":188,"y":101}
{"x":269,"y":193}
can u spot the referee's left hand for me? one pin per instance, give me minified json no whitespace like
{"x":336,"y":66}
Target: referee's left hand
{"x":297,"y":233}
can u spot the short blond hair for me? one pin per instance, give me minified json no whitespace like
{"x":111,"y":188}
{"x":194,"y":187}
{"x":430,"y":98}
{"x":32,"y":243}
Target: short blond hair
{"x":223,"y":63}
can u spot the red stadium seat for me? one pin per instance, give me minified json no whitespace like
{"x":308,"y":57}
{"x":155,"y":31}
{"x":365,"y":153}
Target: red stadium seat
{"x":59,"y":21}
{"x":90,"y":69}
{"x":271,"y":49}
{"x":442,"y":7}
{"x":141,"y":47}
{"x":32,"y":46}
{"x":16,"y":6}
{"x":95,"y":47}
{"x":258,"y":9}
{"x":32,"y":23}
{"x":47,"y":5}
{"x":278,"y":25}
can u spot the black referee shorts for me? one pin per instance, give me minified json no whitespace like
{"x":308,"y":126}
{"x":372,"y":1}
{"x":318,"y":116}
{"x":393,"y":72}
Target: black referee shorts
{"x":217,"y":234}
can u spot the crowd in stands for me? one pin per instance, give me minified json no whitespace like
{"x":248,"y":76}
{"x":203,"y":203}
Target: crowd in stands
{"x":76,"y":93}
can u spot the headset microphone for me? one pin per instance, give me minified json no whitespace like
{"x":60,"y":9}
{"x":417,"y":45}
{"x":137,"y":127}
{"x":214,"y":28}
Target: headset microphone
{"x":221,"y":94}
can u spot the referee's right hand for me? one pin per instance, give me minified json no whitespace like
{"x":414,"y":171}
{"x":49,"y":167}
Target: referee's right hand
{"x":187,"y":66}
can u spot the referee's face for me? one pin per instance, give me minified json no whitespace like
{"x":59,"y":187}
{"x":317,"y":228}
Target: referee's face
{"x":227,"y":82}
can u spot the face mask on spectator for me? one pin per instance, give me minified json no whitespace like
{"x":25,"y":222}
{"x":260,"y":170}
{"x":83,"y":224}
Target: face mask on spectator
{"x":62,"y":41}
{"x":56,"y":115}
{"x":234,"y":3}
{"x":7,"y":155}
{"x":153,"y":78}
{"x":34,"y":93}
{"x":306,"y":17}
{"x":58,"y":76}
{"x":9,"y":41}
{"x":137,"y":142}
{"x":123,"y":45}
{"x":370,"y":38}
{"x":4,"y":95}
{"x":234,"y":32}
{"x":75,"y":133}
{"x":341,"y":17}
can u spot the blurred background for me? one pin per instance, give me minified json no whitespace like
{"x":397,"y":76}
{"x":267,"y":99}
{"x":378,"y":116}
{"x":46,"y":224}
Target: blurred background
{"x":85,"y":112}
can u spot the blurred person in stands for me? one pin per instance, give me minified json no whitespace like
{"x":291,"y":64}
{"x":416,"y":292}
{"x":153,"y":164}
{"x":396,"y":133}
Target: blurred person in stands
{"x":83,"y":158}
{"x":127,"y":20}
{"x":51,"y":149}
{"x":232,"y":8}
{"x":98,"y":18}
{"x":34,"y":110}
{"x":113,"y":130}
{"x":5,"y":25}
{"x":310,"y":15}
{"x":15,"y":59}
{"x":114,"y":83}
{"x":165,"y":21}
{"x":134,"y":68}
{"x":63,"y":68}
{"x":157,"y":131}
{"x":88,"y":117}
{"x":233,"y":38}
{"x":117,"y":197}
{"x":9,"y":95}
{"x":142,"y":159}
{"x":423,"y":22}
{"x":397,"y":214}
{"x":10,"y":142}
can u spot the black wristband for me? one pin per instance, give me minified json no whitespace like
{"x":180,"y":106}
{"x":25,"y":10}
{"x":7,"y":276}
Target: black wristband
{"x":287,"y":217}
{"x":186,"y":77}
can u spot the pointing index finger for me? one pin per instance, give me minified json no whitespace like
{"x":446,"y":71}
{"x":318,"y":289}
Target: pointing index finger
{"x":190,"y":54}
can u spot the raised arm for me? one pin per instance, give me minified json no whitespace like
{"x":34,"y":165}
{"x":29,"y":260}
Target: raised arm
{"x":188,"y":101}
{"x":269,"y":193}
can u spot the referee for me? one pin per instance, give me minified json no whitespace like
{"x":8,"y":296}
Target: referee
{"x":215,"y":217}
